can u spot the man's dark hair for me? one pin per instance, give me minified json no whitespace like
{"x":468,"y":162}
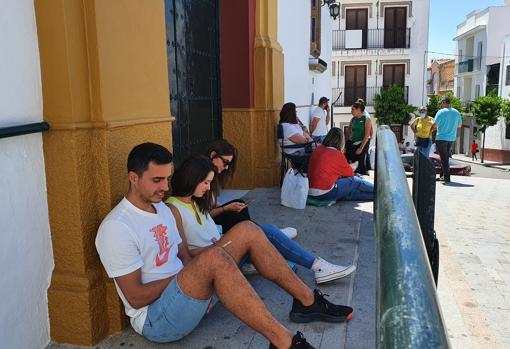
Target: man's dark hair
{"x":189,"y":175}
{"x":288,"y":113}
{"x":323,"y":100}
{"x":142,"y":154}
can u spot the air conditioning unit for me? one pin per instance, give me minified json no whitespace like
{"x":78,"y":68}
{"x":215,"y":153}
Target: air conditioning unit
{"x":354,"y":38}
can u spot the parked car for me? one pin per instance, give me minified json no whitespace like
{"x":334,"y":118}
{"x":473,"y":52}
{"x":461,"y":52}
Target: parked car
{"x":456,"y":167}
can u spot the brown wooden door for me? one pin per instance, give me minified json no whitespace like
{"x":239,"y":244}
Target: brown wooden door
{"x":394,"y":74}
{"x":395,"y":27}
{"x":358,"y":19}
{"x":355,"y":83}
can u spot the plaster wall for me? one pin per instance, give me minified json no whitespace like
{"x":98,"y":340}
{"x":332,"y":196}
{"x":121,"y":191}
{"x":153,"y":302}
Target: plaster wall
{"x":25,"y":246}
{"x":499,"y":26}
{"x":301,"y":85}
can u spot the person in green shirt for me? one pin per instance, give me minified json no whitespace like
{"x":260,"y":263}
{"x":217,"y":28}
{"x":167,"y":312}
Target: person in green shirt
{"x":358,"y":135}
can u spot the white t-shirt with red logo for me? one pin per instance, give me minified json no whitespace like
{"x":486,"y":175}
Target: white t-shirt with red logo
{"x":129,"y":239}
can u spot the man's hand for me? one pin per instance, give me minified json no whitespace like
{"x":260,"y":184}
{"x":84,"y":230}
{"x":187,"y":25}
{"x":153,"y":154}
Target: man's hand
{"x":359,"y":150}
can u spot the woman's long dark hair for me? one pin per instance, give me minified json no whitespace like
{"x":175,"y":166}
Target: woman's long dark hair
{"x":288,"y":113}
{"x":189,"y":175}
{"x":223,"y":148}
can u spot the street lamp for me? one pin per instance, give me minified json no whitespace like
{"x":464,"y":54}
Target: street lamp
{"x":334,"y":9}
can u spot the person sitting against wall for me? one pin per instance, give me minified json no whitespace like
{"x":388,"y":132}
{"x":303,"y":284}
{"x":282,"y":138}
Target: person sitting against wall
{"x":331,"y":177}
{"x":358,"y":135}
{"x":192,"y":199}
{"x":293,"y":132}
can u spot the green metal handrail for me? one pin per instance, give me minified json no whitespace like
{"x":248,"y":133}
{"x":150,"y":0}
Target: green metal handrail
{"x":408,"y":313}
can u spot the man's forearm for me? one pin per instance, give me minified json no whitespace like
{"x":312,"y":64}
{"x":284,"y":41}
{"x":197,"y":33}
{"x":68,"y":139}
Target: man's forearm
{"x":148,"y":293}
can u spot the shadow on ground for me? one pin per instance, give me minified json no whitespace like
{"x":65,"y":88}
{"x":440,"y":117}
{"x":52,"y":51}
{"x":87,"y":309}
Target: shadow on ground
{"x":342,"y":233}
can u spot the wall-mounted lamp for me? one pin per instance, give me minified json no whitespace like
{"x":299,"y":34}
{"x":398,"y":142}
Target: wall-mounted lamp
{"x":334,"y":8}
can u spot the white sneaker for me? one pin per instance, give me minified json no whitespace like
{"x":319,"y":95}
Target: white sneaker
{"x":248,"y":269}
{"x":290,"y":232}
{"x":325,"y":271}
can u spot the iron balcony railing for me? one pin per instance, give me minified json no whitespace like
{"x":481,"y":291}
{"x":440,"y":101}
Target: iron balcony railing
{"x":408,"y":312}
{"x":345,"y":96}
{"x":373,"y":38}
{"x":470,"y":65}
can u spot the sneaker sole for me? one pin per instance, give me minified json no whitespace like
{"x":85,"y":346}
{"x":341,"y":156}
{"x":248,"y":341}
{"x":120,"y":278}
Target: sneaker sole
{"x":305,"y":318}
{"x":335,"y":276}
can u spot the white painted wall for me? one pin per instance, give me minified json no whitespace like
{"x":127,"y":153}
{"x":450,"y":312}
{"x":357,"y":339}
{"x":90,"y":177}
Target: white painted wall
{"x":25,"y":247}
{"x":294,"y":36}
{"x":495,"y":137}
{"x":495,"y":19}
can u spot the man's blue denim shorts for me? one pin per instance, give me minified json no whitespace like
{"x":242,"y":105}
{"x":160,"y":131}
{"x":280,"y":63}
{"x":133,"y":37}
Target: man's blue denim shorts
{"x":174,"y":315}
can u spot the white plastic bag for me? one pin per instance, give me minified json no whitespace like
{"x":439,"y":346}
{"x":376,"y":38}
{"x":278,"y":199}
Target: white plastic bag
{"x":294,"y":189}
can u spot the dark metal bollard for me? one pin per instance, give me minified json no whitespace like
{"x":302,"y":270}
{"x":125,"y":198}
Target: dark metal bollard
{"x":424,"y":198}
{"x":408,"y":313}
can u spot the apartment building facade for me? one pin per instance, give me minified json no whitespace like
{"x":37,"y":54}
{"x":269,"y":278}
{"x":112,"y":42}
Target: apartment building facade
{"x":377,"y":44}
{"x":440,"y":77}
{"x":480,"y":41}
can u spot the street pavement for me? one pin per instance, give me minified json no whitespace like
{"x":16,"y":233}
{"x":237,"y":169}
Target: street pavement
{"x":471,"y":222}
{"x":342,"y":233}
{"x":474,"y":275}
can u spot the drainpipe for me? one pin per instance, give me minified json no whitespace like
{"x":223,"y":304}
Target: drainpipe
{"x":501,"y":70}
{"x":423,"y":77}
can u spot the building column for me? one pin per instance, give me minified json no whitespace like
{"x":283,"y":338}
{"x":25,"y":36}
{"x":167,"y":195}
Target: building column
{"x":252,"y":127}
{"x":105,"y":89}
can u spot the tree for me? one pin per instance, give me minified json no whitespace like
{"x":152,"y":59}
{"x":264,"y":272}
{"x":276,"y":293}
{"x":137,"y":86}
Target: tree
{"x":486,"y":111}
{"x":434,"y":105}
{"x":391,"y":107}
{"x":455,"y":102}
{"x":505,"y":110}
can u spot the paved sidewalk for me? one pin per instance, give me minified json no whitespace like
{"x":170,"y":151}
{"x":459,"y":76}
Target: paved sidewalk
{"x":474,"y":280}
{"x":488,"y":163}
{"x":342,"y":233}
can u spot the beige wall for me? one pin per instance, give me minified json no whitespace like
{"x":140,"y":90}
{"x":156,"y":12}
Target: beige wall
{"x":105,"y":89}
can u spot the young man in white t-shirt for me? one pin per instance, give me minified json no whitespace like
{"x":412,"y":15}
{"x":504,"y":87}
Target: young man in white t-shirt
{"x":165,"y":292}
{"x":320,"y":120}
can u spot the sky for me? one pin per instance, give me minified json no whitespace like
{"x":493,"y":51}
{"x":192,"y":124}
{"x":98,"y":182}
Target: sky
{"x":445,"y":15}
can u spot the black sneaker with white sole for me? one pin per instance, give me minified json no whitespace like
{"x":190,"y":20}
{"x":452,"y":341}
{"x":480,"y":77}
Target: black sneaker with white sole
{"x":298,"y":342}
{"x":320,"y":310}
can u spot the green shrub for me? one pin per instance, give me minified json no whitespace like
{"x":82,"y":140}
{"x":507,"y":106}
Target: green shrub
{"x":391,"y":107}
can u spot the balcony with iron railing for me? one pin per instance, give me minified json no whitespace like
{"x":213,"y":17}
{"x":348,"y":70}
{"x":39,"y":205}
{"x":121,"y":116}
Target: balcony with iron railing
{"x":371,"y":39}
{"x":345,"y":96}
{"x":470,"y":65}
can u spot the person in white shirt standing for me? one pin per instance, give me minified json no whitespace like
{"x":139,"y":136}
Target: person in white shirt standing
{"x":320,"y":119}
{"x":166,"y":292}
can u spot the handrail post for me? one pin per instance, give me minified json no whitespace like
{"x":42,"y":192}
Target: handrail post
{"x":408,"y":313}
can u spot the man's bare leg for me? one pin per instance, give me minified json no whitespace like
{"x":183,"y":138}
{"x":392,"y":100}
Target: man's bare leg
{"x":215,"y":270}
{"x":246,"y":238}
